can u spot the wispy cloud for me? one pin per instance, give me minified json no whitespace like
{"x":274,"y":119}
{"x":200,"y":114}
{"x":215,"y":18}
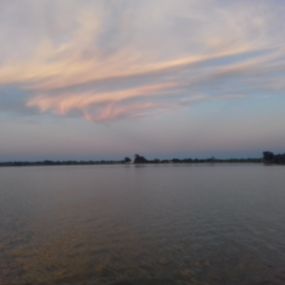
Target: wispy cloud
{"x":108,"y":60}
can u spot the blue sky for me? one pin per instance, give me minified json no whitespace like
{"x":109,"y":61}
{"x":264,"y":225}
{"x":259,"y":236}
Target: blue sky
{"x":104,"y":79}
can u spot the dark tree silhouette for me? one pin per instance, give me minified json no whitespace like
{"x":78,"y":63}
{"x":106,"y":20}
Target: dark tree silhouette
{"x":140,"y":159}
{"x":271,"y":158}
{"x":127,"y":160}
{"x":268,"y":156}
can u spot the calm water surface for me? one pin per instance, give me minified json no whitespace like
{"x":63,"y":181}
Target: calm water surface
{"x":184,"y":224}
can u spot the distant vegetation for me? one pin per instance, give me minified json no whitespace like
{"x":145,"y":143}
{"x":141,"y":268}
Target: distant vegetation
{"x":141,"y":159}
{"x":138,"y":159}
{"x":65,"y":162}
{"x":268,"y":158}
{"x":271,"y":158}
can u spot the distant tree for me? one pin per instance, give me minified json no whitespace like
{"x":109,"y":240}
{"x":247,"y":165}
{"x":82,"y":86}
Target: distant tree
{"x":127,"y":160}
{"x":140,"y":159}
{"x":279,"y":158}
{"x":268,"y":156}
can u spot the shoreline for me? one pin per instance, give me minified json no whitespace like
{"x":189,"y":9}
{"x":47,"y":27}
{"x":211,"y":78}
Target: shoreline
{"x":89,"y":163}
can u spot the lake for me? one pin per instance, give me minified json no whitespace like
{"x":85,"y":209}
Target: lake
{"x":153,"y":224}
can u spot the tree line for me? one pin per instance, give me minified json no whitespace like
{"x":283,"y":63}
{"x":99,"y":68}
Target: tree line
{"x":268,"y":158}
{"x":138,"y":159}
{"x":271,"y":158}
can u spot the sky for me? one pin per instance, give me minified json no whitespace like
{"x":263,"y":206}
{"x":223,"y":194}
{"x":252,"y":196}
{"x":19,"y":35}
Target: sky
{"x":104,"y":79}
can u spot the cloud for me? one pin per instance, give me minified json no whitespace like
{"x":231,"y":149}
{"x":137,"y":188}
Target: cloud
{"x":118,"y":59}
{"x":105,"y":105}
